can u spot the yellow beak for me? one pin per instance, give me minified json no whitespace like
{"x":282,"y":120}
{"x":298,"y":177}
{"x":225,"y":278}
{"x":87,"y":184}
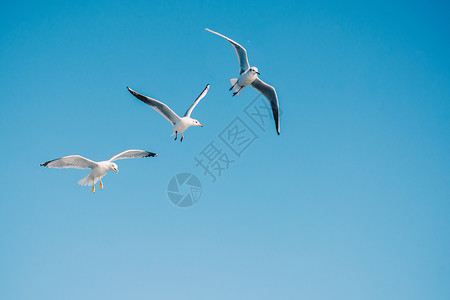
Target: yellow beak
{"x":115,"y":170}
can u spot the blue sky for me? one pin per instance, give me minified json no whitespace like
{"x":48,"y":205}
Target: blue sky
{"x":351,"y":201}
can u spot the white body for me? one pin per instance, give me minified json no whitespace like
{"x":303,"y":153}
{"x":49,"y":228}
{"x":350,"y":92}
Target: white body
{"x":247,"y":77}
{"x":244,"y":80}
{"x":98,"y":172}
{"x":184,"y":123}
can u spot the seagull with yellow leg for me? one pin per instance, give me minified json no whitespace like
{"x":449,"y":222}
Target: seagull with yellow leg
{"x":98,"y":169}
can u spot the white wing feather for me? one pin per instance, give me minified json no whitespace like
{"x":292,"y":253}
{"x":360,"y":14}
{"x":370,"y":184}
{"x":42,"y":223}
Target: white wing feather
{"x":132,"y":154}
{"x":71,"y":161}
{"x":200,"y":97}
{"x":269,"y":92}
{"x":160,"y":107}
{"x":241,"y":52}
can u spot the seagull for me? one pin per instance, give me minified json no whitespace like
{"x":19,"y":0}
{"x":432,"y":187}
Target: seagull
{"x":249,"y":76}
{"x":180,"y":124}
{"x":98,"y":169}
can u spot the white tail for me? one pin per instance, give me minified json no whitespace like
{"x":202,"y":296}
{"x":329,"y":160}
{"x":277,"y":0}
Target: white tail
{"x":235,"y":85}
{"x":88,"y":180}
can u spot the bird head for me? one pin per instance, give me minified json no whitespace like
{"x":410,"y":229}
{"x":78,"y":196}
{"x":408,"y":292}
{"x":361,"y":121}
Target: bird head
{"x":195,"y":122}
{"x":254,"y":70}
{"x":114,"y":167}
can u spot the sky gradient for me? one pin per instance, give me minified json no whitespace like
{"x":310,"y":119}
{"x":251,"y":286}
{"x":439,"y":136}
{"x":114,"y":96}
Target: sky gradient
{"x":351,"y":201}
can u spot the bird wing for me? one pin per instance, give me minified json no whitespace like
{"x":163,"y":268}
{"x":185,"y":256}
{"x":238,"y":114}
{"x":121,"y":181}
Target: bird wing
{"x":271,"y":95}
{"x":132,"y":154}
{"x":160,"y":107}
{"x":241,"y":52}
{"x":200,"y":97}
{"x":71,"y":161}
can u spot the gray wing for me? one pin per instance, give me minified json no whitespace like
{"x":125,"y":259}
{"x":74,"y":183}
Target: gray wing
{"x":241,"y":52}
{"x":132,"y":154}
{"x":200,"y":97}
{"x":71,"y":161}
{"x":271,"y":95}
{"x":160,"y":107}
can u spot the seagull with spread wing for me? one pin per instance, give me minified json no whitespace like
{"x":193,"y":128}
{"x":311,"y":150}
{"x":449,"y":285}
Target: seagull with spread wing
{"x":180,"y":124}
{"x":98,"y":169}
{"x":249,"y":76}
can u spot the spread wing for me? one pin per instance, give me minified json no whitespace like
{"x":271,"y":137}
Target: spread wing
{"x":132,"y":154}
{"x":200,"y":97}
{"x":160,"y":107}
{"x":271,"y":95}
{"x":71,"y":161}
{"x":241,"y":52}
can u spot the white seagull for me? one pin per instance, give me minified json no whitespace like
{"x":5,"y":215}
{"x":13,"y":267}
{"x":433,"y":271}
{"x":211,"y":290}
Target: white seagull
{"x":249,"y":76}
{"x":180,"y":124}
{"x":98,"y":169}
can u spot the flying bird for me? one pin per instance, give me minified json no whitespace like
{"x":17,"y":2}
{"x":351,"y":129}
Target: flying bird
{"x":180,"y":124}
{"x":249,"y":76}
{"x":98,"y":169}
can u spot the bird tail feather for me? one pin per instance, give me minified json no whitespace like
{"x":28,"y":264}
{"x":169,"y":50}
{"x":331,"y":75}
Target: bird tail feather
{"x":88,"y":180}
{"x":235,"y":85}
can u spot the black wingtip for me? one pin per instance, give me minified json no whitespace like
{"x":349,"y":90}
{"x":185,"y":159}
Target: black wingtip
{"x":45,"y":164}
{"x":151,"y":154}
{"x":132,"y":92}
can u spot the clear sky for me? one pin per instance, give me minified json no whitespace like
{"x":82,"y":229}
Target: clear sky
{"x":351,"y":201}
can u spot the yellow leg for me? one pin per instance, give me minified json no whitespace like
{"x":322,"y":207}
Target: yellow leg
{"x":101,"y":184}
{"x":93,"y":186}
